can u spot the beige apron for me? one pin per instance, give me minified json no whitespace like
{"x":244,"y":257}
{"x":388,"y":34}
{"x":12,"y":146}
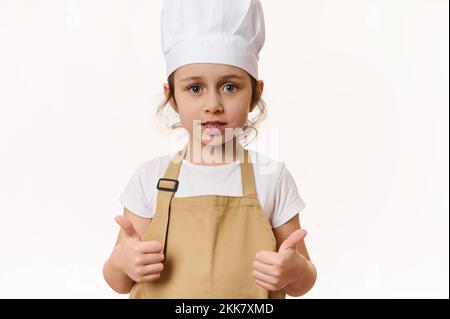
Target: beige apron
{"x":209,"y":241}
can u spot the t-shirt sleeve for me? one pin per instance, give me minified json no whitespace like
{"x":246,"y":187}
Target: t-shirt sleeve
{"x":134,"y":196}
{"x":288,"y":202}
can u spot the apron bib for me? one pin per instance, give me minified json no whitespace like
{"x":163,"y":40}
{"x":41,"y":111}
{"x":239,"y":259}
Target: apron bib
{"x":209,"y":241}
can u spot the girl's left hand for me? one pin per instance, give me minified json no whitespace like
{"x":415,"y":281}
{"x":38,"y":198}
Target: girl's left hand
{"x":275,"y":270}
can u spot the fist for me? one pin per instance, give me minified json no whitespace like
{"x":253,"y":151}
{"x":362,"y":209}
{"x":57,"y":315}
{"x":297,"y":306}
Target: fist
{"x":275,"y":270}
{"x":140,"y":260}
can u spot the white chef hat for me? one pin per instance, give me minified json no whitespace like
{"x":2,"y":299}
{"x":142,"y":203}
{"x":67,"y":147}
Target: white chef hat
{"x":212,"y":31}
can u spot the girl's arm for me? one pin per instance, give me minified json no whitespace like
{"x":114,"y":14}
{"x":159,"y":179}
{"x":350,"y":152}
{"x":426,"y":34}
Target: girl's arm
{"x":113,"y":272}
{"x":288,"y":268}
{"x":306,"y":273}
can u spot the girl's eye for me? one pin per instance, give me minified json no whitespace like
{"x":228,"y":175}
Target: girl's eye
{"x":230,"y":85}
{"x":196,"y":89}
{"x":192,"y":87}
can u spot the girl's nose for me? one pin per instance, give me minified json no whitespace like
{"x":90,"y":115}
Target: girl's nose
{"x":213,"y":108}
{"x":213,"y":104}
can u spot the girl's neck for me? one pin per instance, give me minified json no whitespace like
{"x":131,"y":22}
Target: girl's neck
{"x":200,"y":154}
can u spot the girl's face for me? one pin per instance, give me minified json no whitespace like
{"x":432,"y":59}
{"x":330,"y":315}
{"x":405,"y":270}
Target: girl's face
{"x":212,"y":92}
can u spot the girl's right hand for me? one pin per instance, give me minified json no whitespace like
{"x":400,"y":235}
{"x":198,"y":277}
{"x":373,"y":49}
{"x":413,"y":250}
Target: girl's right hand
{"x":140,"y":260}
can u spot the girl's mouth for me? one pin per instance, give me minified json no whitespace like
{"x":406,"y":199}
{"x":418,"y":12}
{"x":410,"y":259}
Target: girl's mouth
{"x":213,"y":128}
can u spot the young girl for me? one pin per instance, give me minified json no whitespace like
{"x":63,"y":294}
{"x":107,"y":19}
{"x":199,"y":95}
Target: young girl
{"x":215,"y":220}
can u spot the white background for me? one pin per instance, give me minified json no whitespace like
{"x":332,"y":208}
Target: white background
{"x":357,"y":93}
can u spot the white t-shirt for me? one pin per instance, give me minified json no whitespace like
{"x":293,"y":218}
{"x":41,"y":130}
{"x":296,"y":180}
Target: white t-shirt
{"x":276,"y":190}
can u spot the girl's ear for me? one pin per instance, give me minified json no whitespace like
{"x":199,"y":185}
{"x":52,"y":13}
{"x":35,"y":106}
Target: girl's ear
{"x":260,"y":88}
{"x":172,"y":103}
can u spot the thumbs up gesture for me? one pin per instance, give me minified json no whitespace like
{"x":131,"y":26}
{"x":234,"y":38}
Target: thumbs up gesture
{"x":140,"y":260}
{"x":275,"y":270}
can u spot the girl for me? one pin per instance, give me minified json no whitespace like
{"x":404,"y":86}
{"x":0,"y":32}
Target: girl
{"x":209,"y":222}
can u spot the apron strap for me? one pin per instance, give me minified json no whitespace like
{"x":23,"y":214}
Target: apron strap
{"x":167,"y":186}
{"x":248,"y":176}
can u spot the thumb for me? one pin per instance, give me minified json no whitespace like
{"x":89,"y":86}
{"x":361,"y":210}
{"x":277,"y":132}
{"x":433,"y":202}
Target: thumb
{"x":127,"y":226}
{"x":293,"y":239}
